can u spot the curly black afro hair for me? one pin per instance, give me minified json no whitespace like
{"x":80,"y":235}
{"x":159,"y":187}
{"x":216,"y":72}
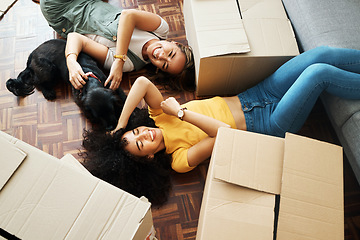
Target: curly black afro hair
{"x":106,"y":159}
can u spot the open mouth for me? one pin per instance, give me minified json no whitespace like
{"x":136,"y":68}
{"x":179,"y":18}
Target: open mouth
{"x":152,"y":135}
{"x":155,"y":52}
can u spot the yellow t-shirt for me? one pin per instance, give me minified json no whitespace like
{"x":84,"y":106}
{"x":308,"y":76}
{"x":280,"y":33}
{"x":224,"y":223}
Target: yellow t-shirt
{"x":179,"y":135}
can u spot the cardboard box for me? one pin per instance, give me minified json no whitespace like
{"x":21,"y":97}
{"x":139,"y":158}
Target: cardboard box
{"x":237,"y":43}
{"x":264,"y":187}
{"x":43,"y":197}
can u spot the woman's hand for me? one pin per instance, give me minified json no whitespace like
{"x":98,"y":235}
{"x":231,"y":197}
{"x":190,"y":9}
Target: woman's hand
{"x":77,"y":76}
{"x":118,"y":127}
{"x":115,"y":75}
{"x":170,"y":106}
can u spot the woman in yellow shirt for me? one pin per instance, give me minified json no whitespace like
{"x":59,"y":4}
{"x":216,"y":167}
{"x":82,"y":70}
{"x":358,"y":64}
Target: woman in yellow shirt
{"x":279,"y":104}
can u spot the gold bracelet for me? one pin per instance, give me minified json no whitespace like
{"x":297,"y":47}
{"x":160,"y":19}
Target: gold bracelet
{"x":122,"y":57}
{"x":71,"y":53}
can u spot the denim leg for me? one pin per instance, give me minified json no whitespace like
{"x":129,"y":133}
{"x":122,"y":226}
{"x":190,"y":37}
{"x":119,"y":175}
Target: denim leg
{"x":282,"y":79}
{"x":294,"y":107}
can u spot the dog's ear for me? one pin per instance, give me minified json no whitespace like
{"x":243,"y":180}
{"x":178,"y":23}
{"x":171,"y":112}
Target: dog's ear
{"x":46,"y":71}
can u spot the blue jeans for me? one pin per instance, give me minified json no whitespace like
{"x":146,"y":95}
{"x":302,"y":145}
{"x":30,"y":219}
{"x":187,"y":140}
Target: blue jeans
{"x":283,"y":101}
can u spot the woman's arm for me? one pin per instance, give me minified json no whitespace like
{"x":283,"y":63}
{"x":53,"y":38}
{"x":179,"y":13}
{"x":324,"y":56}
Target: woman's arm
{"x":129,"y":20}
{"x":202,"y":150}
{"x":208,"y":124}
{"x":75,"y":44}
{"x":142,"y":88}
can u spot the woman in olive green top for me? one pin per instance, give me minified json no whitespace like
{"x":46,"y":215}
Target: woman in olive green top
{"x":120,"y":40}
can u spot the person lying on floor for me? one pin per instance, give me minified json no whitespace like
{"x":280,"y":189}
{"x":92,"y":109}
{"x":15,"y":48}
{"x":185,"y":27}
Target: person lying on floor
{"x":185,"y":134}
{"x":120,"y":40}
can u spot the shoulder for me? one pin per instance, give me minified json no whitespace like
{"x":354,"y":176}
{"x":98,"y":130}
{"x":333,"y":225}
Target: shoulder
{"x":163,"y":29}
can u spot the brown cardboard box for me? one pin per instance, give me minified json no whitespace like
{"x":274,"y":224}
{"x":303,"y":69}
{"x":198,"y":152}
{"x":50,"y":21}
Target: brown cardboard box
{"x":235,"y":49}
{"x":43,"y":197}
{"x":247,"y":174}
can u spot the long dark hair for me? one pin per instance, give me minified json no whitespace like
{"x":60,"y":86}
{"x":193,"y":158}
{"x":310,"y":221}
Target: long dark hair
{"x":106,"y":159}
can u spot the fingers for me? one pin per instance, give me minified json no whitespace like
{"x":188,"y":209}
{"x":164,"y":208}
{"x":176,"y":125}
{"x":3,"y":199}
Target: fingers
{"x":77,"y":76}
{"x":170,"y":106}
{"x":108,"y":80}
{"x":170,"y":100}
{"x":165,"y":102}
{"x":78,"y":80}
{"x":115,"y":75}
{"x":115,"y":83}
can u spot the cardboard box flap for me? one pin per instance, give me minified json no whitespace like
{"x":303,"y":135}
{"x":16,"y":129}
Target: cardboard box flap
{"x":129,"y":215}
{"x":72,"y":161}
{"x":10,"y":160}
{"x":114,"y":214}
{"x":255,"y":160}
{"x":219,"y":28}
{"x":246,"y":214}
{"x":311,"y":200}
{"x":269,"y":9}
{"x":270,"y":37}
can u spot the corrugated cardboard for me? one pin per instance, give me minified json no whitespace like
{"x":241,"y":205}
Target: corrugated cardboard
{"x":237,"y":43}
{"x":47,"y":198}
{"x":248,"y":171}
{"x":311,"y":200}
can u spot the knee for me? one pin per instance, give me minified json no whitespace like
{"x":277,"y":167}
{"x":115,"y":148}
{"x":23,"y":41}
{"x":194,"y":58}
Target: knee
{"x":318,"y":70}
{"x":323,"y":53}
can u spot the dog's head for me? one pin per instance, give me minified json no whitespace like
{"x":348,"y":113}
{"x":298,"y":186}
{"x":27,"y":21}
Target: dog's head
{"x":23,"y":84}
{"x":102,"y":107}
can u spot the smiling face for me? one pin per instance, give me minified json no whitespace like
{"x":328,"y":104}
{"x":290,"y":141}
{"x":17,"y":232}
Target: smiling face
{"x":144,"y":141}
{"x":167,"y":56}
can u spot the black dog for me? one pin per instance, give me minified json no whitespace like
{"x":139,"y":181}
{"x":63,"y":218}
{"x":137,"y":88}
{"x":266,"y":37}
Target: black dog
{"x":46,"y":67}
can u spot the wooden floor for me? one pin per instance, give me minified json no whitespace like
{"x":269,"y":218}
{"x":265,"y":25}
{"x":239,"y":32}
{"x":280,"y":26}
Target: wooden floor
{"x":56,"y":127}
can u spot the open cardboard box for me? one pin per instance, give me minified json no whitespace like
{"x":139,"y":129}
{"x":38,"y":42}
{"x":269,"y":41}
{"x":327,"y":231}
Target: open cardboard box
{"x":237,"y":43}
{"x":42,"y":197}
{"x":264,"y":187}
